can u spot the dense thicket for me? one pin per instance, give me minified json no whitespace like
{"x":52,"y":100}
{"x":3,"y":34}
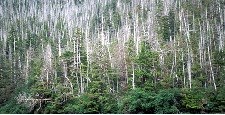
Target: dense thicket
{"x":112,"y":56}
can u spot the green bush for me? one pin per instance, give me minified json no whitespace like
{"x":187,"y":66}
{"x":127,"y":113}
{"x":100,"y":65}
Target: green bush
{"x":215,"y":101}
{"x":137,"y":101}
{"x":192,"y":100}
{"x":92,"y":103}
{"x":141,"y":101}
{"x":12,"y":107}
{"x":167,"y":101}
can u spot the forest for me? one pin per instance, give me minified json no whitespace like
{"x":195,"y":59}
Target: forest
{"x":112,"y":56}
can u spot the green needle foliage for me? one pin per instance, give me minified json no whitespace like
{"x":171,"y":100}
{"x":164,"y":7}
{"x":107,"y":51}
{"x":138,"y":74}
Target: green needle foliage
{"x":112,"y":56}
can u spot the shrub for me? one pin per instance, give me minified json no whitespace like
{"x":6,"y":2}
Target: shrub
{"x":141,"y":101}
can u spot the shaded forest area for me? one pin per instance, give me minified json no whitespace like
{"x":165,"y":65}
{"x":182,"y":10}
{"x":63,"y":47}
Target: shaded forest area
{"x":112,"y":56}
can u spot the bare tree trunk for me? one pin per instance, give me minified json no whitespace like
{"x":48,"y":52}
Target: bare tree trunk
{"x":187,"y":40}
{"x":211,"y":70}
{"x":59,"y":46}
{"x":28,"y":57}
{"x":67,"y":80}
{"x":210,"y":62}
{"x":184,"y":70}
{"x":126,"y":69}
{"x":133,"y":78}
{"x":14,"y":61}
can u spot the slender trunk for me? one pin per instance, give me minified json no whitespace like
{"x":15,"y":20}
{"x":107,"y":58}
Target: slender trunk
{"x":59,"y":46}
{"x":27,"y":67}
{"x":133,"y":85}
{"x":189,"y":71}
{"x":78,"y":84}
{"x":189,"y":60}
{"x":117,"y":84}
{"x":184,"y":70}
{"x":14,"y":61}
{"x":211,"y":70}
{"x":209,"y":53}
{"x":126,"y":72}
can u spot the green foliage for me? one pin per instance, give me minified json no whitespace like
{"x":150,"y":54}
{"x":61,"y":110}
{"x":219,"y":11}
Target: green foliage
{"x":220,"y":98}
{"x":67,"y":55}
{"x":110,"y":24}
{"x":101,"y":81}
{"x":219,"y":58}
{"x":32,"y":40}
{"x":137,"y":101}
{"x":91,"y":103}
{"x":146,"y":57}
{"x":193,"y":100}
{"x":12,"y":107}
{"x":6,"y":87}
{"x":53,"y":108}
{"x":167,"y":26}
{"x":78,"y":2}
{"x":164,"y":28}
{"x":142,"y":101}
{"x":167,"y":101}
{"x":215,"y":102}
{"x":146,"y":61}
{"x":159,"y":9}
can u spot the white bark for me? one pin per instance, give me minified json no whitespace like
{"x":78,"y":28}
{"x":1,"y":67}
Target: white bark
{"x":211,"y":70}
{"x":133,"y":77}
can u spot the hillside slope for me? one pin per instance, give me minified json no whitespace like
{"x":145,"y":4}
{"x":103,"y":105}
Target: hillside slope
{"x":112,"y":56}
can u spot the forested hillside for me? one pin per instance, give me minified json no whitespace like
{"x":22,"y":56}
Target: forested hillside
{"x":112,"y":56}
